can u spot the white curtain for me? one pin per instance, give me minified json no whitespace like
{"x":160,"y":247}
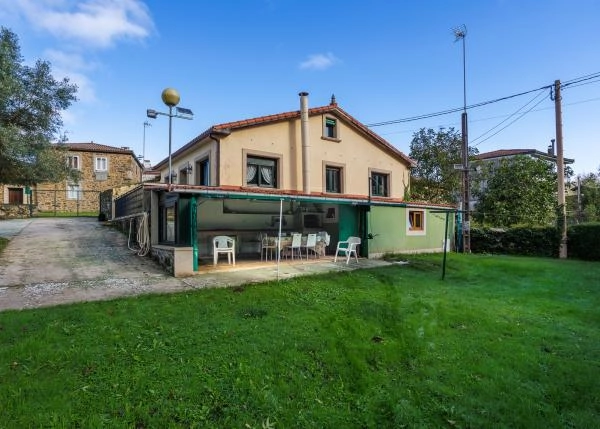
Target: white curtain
{"x":267,"y":175}
{"x":251,"y":172}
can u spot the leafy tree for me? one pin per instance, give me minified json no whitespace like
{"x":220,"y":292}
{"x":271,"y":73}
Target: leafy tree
{"x":434,"y":179}
{"x":517,"y":191}
{"x":30,"y":104}
{"x":589,"y":193}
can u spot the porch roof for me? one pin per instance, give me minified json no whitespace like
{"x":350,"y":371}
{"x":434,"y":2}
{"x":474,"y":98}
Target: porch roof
{"x":252,"y":193}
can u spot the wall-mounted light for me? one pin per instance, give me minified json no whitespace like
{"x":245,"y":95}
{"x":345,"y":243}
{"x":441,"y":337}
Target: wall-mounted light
{"x":188,"y":168}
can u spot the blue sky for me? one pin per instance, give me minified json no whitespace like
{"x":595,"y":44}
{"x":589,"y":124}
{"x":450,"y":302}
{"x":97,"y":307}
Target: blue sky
{"x":384,"y":60}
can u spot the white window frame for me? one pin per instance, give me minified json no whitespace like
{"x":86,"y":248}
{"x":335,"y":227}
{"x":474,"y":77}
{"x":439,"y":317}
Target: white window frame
{"x":98,"y":161}
{"x":73,"y":162}
{"x":410,"y":230}
{"x":73,"y":191}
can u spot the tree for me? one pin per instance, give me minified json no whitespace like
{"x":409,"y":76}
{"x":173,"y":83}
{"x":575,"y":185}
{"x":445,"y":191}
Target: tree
{"x":30,"y":104}
{"x":434,"y":179}
{"x":587,"y":206}
{"x":517,"y":191}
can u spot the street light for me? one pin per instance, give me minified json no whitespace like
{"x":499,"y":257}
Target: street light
{"x":461,"y":33}
{"x":170,"y":97}
{"x":146,"y":124}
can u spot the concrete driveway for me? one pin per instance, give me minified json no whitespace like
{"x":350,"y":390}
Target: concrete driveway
{"x":51,"y":261}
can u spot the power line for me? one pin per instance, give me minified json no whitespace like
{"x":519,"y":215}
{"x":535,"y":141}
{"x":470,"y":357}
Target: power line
{"x":572,"y":83}
{"x":507,"y":118}
{"x":510,"y":123}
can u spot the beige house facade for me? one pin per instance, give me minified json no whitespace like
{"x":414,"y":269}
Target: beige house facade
{"x":309,"y":171}
{"x":335,"y":155}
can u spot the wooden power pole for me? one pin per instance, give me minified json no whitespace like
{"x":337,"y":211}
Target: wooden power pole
{"x":560,"y":172}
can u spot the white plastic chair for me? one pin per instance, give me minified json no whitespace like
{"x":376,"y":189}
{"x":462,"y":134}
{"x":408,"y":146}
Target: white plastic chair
{"x":223,"y":244}
{"x":348,"y":247}
{"x":311,"y":244}
{"x":268,"y":246}
{"x":296,"y":245}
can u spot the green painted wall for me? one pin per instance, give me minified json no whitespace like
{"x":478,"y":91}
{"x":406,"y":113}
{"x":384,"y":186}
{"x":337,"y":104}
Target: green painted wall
{"x":388,"y":226}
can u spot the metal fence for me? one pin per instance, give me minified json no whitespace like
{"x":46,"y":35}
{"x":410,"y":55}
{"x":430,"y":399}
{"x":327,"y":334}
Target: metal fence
{"x":64,"y":201}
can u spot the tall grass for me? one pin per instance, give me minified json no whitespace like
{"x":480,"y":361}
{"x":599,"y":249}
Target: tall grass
{"x":502,"y":342}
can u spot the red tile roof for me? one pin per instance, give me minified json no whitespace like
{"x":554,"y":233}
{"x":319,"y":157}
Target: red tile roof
{"x":285,"y":116}
{"x":95,"y":147}
{"x":505,"y":153}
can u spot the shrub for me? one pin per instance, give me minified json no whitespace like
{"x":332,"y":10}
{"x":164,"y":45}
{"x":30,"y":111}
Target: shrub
{"x":583,"y":241}
{"x":528,"y":241}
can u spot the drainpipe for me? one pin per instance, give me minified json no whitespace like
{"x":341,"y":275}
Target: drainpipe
{"x":305,"y":143}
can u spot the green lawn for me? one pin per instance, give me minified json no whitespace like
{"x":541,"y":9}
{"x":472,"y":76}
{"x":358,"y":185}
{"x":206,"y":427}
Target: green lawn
{"x":502,"y":342}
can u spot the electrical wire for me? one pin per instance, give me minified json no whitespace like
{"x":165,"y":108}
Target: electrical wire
{"x":512,"y":122}
{"x":570,"y":83}
{"x":508,"y":118}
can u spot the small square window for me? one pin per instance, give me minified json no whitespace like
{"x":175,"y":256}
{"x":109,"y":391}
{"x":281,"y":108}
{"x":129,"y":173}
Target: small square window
{"x":380,"y":186}
{"x":333,"y":179}
{"x":416,"y":220}
{"x":331,"y":130}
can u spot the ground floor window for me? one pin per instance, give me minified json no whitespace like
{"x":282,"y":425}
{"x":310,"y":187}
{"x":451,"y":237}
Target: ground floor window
{"x":416,"y":221}
{"x":73,"y":192}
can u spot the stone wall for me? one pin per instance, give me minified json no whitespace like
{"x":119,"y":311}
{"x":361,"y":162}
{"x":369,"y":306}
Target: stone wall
{"x":16,"y":211}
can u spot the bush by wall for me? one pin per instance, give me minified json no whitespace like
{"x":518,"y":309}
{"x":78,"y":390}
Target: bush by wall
{"x":541,"y":241}
{"x":584,"y":241}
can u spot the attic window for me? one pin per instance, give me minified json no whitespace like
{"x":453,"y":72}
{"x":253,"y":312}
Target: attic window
{"x":330,"y":128}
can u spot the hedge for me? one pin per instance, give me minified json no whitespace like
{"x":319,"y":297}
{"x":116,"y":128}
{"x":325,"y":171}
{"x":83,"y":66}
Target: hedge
{"x":583,"y":241}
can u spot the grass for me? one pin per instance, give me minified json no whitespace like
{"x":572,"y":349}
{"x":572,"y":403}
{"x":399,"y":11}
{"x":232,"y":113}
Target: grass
{"x":502,"y":342}
{"x":3,"y":244}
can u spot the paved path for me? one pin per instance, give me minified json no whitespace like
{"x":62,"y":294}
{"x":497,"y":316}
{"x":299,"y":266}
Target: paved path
{"x":51,"y":261}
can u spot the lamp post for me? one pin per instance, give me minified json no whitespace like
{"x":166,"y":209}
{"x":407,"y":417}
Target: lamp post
{"x":146,"y":124}
{"x":171,"y":98}
{"x":461,"y":33}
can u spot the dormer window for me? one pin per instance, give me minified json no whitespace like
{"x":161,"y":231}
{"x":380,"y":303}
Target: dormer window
{"x":330,"y":128}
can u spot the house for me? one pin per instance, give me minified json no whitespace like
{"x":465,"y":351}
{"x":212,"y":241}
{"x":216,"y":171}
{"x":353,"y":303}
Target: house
{"x":309,"y":170}
{"x":497,"y":155}
{"x":101,"y":167}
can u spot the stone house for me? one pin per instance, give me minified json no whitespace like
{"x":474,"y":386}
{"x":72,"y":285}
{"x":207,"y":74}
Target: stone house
{"x":101,"y":167}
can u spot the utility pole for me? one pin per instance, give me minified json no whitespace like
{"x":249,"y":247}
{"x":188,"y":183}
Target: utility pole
{"x":461,"y":33}
{"x":560,"y":172}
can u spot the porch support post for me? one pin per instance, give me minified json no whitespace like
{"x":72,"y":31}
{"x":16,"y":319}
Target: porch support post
{"x":194,"y":230}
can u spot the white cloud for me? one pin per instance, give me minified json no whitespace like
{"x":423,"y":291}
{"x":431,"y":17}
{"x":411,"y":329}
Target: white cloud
{"x":92,"y":23}
{"x":319,"y":62}
{"x":72,"y":66}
